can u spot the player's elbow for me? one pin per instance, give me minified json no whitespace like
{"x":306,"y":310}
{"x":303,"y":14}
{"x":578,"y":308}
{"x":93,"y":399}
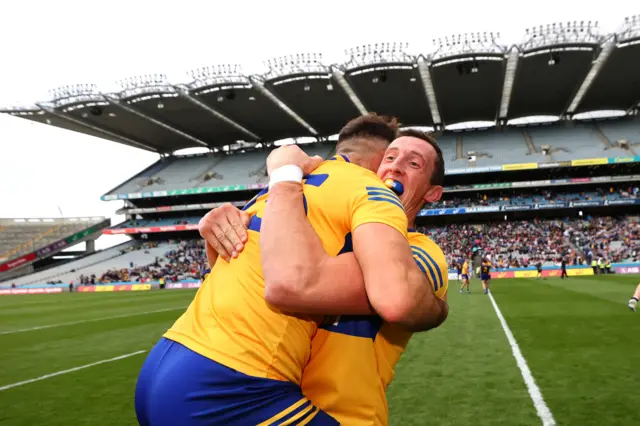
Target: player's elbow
{"x":430,"y":319}
{"x":394,"y":310}
{"x":284,"y":290}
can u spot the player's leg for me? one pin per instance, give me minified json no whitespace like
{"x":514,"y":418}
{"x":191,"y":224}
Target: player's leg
{"x":144,"y":385}
{"x":633,"y":302}
{"x":488,"y":285}
{"x":181,"y":387}
{"x":466,"y":280}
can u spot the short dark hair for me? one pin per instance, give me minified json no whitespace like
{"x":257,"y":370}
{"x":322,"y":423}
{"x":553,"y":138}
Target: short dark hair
{"x":370,"y":126}
{"x":437,"y":175}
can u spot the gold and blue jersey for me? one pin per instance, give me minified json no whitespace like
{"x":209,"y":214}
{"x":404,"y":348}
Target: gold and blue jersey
{"x":353,"y":357}
{"x":229,"y":320}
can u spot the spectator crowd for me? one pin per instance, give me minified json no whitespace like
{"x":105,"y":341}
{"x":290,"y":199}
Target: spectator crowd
{"x":186,"y":261}
{"x":519,"y":244}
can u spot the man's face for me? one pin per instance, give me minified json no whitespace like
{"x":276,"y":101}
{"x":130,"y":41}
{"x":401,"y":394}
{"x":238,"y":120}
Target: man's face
{"x":410,"y":161}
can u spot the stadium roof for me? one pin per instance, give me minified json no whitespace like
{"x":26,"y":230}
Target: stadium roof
{"x":557,"y":70}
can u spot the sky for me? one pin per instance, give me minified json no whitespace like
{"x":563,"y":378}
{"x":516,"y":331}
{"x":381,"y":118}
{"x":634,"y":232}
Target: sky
{"x":45,"y":44}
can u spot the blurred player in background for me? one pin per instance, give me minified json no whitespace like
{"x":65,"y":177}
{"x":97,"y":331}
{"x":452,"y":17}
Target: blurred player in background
{"x":563,"y":268}
{"x":485,"y":275}
{"x":539,"y":269}
{"x":633,"y":302}
{"x":353,"y":357}
{"x":465,"y":276}
{"x":242,"y":356}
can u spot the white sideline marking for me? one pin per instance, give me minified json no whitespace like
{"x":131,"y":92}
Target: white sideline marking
{"x":42,"y":327}
{"x":534,"y":392}
{"x":71,"y":370}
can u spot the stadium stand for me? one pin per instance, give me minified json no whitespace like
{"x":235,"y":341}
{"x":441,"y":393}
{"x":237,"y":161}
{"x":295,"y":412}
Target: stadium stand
{"x":132,"y":261}
{"x":492,"y":147}
{"x":511,"y":244}
{"x":53,"y":274}
{"x":545,"y":196}
{"x":570,"y":142}
{"x":622,"y":130}
{"x":20,"y":236}
{"x":242,"y":168}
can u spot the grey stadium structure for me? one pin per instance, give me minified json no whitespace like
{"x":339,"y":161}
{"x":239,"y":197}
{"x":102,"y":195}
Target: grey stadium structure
{"x":562,"y":70}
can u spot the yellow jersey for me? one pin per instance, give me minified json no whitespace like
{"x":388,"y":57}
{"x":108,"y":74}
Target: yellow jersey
{"x":229,"y":320}
{"x":465,"y":268}
{"x":353,"y":357}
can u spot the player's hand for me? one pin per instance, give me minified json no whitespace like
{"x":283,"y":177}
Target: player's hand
{"x":292,"y":155}
{"x":225,"y":230}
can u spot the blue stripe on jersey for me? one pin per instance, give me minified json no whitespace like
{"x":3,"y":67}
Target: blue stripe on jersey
{"x":387,"y":199}
{"x":315,"y":180}
{"x":435,"y":264}
{"x":419,"y":263}
{"x":344,"y":157}
{"x":383,"y":194}
{"x":436,"y":284}
{"x":378,"y":189}
{"x":254,"y":199}
{"x":255,"y":223}
{"x":293,"y":413}
{"x":356,"y":325}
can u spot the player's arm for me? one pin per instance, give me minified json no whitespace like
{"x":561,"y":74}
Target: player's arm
{"x":299,"y":274}
{"x":397,"y":288}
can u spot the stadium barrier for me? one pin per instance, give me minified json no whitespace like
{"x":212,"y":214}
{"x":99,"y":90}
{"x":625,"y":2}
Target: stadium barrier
{"x":173,"y":286}
{"x":15,"y":291}
{"x":555,"y":271}
{"x":113,"y":288}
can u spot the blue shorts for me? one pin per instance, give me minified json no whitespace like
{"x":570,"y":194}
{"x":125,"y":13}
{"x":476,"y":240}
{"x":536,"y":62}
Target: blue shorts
{"x":177,"y":386}
{"x":465,"y":276}
{"x":485,"y":277}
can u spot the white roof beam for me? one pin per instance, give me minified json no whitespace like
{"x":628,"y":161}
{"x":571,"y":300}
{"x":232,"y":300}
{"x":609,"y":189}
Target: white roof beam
{"x":591,"y":75}
{"x":429,"y":92}
{"x":262,"y":89}
{"x":184,"y":92}
{"x":339,"y":76}
{"x":509,"y":77}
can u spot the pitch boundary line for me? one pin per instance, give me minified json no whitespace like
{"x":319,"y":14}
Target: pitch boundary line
{"x":541,"y":407}
{"x":70,"y":370}
{"x":42,"y":327}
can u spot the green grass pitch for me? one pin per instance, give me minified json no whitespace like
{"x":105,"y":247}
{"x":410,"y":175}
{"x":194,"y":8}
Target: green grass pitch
{"x":578,"y":337}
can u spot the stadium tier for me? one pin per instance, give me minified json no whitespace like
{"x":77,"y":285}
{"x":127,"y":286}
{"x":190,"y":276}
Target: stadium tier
{"x":461,"y":150}
{"x":22,"y":236}
{"x":220,"y":169}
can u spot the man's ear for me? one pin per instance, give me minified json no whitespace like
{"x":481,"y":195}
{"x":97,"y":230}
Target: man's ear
{"x":433,"y":194}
